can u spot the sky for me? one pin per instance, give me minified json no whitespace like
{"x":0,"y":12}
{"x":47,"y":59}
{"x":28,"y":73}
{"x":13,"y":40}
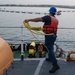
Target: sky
{"x":56,"y":2}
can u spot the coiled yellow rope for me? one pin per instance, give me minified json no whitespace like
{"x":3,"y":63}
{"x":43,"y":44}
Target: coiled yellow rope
{"x":36,"y":29}
{"x":30,"y":28}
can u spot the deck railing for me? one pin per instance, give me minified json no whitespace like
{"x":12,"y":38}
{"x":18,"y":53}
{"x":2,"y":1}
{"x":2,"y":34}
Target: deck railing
{"x":22,"y":40}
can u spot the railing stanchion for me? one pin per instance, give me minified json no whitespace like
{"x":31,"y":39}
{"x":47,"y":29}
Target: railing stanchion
{"x":22,"y":50}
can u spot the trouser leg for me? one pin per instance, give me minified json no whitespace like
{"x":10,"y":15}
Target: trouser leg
{"x":49,"y":42}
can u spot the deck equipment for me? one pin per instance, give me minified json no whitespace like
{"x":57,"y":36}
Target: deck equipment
{"x":6,"y":56}
{"x":69,"y":57}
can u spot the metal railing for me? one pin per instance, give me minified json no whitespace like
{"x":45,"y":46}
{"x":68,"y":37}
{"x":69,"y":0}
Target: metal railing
{"x":22,"y":40}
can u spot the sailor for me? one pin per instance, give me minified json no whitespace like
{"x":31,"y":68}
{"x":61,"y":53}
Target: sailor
{"x":50,"y":26}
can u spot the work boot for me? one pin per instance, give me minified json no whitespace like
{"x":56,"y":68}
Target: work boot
{"x":54,"y":69}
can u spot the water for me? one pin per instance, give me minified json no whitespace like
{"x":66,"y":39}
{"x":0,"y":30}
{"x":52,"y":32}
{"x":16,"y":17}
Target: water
{"x":65,"y":39}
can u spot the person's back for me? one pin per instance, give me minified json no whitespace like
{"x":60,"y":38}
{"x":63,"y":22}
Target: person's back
{"x":50,"y":26}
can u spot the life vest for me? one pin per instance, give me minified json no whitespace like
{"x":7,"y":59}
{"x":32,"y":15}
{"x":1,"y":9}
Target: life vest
{"x":52,"y":28}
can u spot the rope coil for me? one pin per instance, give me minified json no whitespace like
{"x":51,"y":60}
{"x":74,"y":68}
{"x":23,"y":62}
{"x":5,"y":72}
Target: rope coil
{"x":35,"y":29}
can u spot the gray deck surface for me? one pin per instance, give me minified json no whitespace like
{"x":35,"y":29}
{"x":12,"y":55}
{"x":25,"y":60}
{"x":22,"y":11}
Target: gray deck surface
{"x":40,"y":67}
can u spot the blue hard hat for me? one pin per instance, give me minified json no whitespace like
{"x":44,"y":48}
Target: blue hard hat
{"x":53,"y":10}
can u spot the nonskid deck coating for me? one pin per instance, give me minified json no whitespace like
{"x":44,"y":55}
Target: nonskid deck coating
{"x":39,"y":66}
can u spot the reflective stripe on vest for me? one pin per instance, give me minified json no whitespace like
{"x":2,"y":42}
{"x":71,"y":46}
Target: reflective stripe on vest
{"x":52,"y":28}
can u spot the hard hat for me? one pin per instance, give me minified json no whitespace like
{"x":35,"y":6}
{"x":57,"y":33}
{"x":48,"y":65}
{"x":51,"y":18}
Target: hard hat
{"x":53,"y":10}
{"x":33,"y":44}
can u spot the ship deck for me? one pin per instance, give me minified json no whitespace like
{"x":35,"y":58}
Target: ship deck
{"x":39,"y":66}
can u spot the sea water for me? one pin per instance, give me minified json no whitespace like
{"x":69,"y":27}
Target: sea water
{"x":11,"y":23}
